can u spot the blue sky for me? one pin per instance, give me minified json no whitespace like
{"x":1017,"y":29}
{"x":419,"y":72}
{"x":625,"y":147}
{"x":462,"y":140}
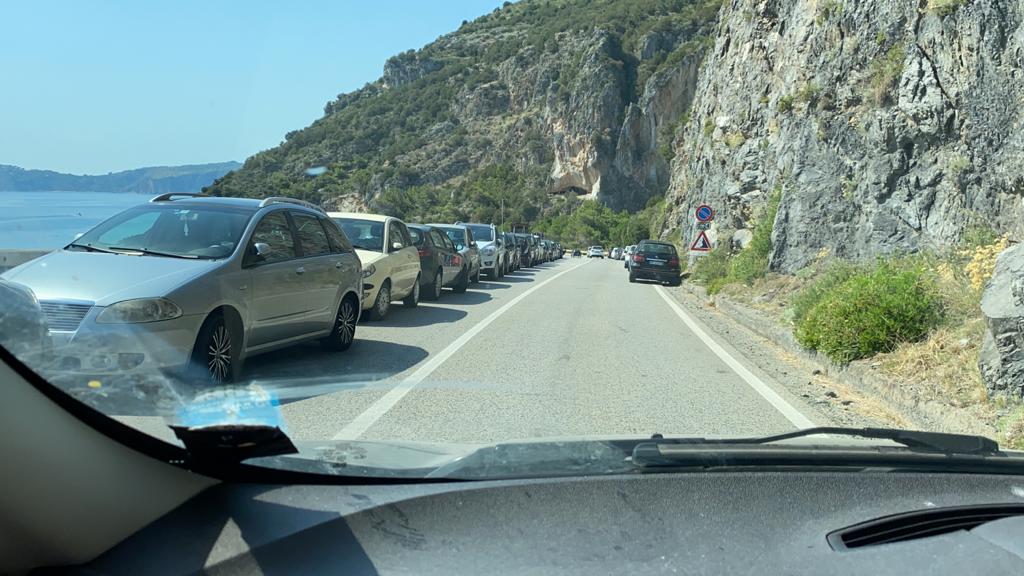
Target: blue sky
{"x":100,"y":86}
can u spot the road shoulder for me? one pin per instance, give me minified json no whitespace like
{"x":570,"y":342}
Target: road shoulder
{"x":825,"y":400}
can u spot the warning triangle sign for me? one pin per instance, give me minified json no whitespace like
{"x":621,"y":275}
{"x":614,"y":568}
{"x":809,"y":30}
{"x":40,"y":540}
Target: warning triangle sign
{"x":701,"y":244}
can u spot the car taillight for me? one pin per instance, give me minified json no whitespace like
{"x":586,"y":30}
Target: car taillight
{"x":456,"y":260}
{"x":673,"y":261}
{"x":638,"y":258}
{"x":424,"y":252}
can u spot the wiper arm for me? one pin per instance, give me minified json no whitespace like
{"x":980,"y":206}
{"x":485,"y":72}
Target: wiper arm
{"x":221,"y":448}
{"x":90,"y":248}
{"x":931,"y":441}
{"x":118,"y":250}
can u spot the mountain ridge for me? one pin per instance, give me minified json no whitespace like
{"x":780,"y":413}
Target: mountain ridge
{"x":149,"y":179}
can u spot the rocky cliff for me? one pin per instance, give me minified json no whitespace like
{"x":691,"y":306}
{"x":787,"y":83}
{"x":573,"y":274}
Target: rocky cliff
{"x":581,"y":97}
{"x":887,"y":125}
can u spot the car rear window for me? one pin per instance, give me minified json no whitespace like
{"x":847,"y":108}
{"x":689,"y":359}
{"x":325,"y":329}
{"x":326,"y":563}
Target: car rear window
{"x":658,"y":249}
{"x":417,"y":236}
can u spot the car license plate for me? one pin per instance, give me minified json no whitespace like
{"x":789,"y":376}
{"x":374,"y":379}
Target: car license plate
{"x":656,"y":262}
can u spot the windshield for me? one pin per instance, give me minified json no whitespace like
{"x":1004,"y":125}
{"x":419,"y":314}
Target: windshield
{"x":482,"y":233}
{"x":201,"y":232}
{"x":364,"y":234}
{"x":457,"y":236}
{"x":813,"y":217}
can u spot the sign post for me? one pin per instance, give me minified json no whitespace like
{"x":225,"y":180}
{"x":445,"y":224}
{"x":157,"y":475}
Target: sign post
{"x":702,"y":244}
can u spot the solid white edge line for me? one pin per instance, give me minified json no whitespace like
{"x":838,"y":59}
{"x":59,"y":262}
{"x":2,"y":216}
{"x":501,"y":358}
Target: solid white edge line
{"x":766,"y":392}
{"x":375,"y":411}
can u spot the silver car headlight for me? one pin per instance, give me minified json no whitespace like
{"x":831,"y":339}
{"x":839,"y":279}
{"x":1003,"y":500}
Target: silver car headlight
{"x":369,"y":271}
{"x":488,"y":251}
{"x":138,"y":311}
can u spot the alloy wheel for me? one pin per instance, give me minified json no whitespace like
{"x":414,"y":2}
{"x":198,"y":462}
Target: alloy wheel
{"x":346,"y":322}
{"x":218,"y":354}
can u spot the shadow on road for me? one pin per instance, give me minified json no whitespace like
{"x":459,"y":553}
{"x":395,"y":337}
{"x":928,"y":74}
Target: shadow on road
{"x":423,"y":315}
{"x":306,"y":371}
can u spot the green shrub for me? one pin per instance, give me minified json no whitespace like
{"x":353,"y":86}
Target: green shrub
{"x":735,"y":139}
{"x":839,"y":272}
{"x":885,"y":73}
{"x":752,"y":262}
{"x":713,"y":269}
{"x":945,"y":7}
{"x":808,"y":93}
{"x":872,"y":312}
{"x":785,"y":103}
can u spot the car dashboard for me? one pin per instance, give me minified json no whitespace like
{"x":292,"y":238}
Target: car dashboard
{"x":734,"y":522}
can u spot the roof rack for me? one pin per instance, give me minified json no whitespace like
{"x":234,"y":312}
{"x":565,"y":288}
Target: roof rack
{"x":286,"y":200}
{"x":166,"y":197}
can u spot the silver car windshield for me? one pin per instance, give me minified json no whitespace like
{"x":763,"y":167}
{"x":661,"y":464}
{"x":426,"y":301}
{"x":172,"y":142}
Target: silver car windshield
{"x":364,"y":234}
{"x":202,"y":233}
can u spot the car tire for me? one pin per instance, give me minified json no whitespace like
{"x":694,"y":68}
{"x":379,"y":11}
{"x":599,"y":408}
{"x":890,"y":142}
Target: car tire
{"x":632,"y":278}
{"x":463,"y":282}
{"x":412,"y":300}
{"x":382,"y":303}
{"x":343,"y":333}
{"x":215,"y":355}
{"x":434,"y":288}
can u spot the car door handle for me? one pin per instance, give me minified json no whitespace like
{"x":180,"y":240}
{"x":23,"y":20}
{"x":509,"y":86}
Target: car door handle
{"x":338,"y":264}
{"x":300,"y":270}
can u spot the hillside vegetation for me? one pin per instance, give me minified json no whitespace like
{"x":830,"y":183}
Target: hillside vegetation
{"x":499,"y":110}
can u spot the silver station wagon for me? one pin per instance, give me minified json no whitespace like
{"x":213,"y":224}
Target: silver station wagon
{"x":188,"y":281}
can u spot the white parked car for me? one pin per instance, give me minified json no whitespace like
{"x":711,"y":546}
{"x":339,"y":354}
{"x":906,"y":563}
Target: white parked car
{"x":391,"y":262}
{"x":595,"y":252}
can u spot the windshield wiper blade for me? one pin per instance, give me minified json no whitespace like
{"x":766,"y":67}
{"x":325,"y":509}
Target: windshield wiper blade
{"x":943,"y":442}
{"x":90,"y":248}
{"x":120,"y":250}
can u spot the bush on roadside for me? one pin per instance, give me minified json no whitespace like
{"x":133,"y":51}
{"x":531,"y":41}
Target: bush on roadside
{"x":872,"y":311}
{"x":752,"y":262}
{"x":713,"y":269}
{"x":840,"y":271}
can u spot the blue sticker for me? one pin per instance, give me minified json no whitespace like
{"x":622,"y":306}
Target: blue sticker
{"x":251,"y":405}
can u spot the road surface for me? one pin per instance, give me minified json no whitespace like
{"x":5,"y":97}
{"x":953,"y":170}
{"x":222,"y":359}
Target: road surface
{"x":566,"y":349}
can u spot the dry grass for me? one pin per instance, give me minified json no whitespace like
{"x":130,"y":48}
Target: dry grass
{"x":1011,"y":428}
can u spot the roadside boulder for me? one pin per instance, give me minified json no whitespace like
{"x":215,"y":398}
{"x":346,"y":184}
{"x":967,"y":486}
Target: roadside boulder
{"x":1002,"y":353}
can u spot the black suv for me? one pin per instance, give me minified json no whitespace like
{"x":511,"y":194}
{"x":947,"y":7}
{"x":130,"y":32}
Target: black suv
{"x":655,"y":260}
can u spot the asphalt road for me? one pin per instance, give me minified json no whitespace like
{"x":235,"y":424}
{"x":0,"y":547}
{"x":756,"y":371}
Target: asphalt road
{"x":565,"y":349}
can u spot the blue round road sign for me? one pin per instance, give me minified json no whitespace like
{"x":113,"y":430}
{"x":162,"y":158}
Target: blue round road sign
{"x":705,"y":213}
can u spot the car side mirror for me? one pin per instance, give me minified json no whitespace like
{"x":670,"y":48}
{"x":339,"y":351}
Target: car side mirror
{"x":261,"y":250}
{"x":472,"y":244}
{"x":459,"y":245}
{"x":396,"y":246}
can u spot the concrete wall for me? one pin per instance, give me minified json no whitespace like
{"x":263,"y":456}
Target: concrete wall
{"x":9,"y":258}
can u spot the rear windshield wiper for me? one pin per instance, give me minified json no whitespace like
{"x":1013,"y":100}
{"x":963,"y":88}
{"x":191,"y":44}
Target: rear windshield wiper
{"x":931,"y":449}
{"x":119,"y":250}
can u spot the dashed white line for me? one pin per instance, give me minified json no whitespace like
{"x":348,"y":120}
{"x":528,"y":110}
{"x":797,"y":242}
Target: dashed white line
{"x":362,"y":423}
{"x":766,"y":392}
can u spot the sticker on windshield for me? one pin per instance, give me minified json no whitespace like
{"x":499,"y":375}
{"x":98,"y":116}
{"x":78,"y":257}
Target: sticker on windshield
{"x":252,"y":405}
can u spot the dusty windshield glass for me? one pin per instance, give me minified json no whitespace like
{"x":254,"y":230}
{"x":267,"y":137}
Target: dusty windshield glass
{"x":482,"y":233}
{"x":201,"y":233}
{"x":364,"y":234}
{"x":719,"y":220}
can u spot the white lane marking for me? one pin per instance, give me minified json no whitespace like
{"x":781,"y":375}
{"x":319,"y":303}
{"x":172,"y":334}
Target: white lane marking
{"x":787,"y":409}
{"x":362,"y":423}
